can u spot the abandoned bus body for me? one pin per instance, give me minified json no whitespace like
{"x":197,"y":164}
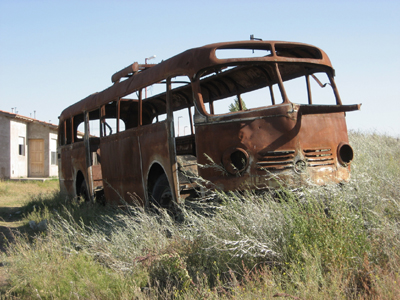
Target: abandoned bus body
{"x":282,"y":128}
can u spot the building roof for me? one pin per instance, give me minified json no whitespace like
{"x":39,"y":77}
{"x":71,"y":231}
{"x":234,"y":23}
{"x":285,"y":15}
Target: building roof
{"x":27,"y":119}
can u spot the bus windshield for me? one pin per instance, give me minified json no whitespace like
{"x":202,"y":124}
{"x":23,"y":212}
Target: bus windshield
{"x":257,"y":85}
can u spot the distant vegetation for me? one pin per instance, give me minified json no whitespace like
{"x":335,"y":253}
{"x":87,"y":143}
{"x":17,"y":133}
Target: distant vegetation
{"x":327,"y":242}
{"x":235,"y":105}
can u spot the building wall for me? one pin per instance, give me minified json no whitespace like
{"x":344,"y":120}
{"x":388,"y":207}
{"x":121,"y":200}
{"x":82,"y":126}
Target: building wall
{"x":19,"y":163}
{"x":40,"y":131}
{"x":14,"y":159}
{"x":4,"y":148}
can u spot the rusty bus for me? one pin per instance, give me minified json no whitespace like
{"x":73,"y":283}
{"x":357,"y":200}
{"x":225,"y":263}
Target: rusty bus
{"x":288,"y":131}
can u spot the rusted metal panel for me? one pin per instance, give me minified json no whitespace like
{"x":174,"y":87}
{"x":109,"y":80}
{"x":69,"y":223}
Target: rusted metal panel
{"x":73,"y":161}
{"x":129,"y":160}
{"x":155,"y":150}
{"x":121,"y":165}
{"x":295,"y":143}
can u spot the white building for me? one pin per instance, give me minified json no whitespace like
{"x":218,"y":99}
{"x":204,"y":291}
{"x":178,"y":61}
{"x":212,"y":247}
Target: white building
{"x":28,"y":147}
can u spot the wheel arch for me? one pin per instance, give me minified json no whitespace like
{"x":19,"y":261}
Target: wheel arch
{"x":156,"y":170}
{"x":78,"y":182}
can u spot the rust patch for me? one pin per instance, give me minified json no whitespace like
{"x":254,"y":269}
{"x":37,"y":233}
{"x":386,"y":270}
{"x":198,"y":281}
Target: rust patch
{"x":243,"y":149}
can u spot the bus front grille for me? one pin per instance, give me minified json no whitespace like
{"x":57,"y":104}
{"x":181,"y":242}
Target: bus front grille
{"x":318,"y":157}
{"x":276,"y":160}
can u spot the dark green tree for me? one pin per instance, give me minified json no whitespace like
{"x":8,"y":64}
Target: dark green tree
{"x":235,"y":105}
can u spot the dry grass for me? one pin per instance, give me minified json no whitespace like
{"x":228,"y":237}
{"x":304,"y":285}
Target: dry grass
{"x":17,"y":193}
{"x":14,"y":195}
{"x":323,"y":242}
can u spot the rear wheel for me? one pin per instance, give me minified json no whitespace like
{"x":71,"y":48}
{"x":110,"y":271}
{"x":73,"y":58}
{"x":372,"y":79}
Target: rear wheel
{"x":162,"y":197}
{"x":83,"y":191}
{"x":162,"y":193}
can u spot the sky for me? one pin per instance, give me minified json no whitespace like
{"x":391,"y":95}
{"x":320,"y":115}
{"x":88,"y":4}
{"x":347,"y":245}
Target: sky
{"x":55,"y":53}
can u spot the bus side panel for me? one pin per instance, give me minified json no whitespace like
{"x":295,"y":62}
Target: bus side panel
{"x":73,"y":160}
{"x":120,"y":166}
{"x":126,"y":160}
{"x":65,"y":172}
{"x":155,"y":150}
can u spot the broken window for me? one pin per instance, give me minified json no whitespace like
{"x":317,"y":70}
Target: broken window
{"x":256,"y":85}
{"x":304,"y":85}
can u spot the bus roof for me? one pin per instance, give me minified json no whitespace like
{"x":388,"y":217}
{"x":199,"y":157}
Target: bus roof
{"x":193,"y":63}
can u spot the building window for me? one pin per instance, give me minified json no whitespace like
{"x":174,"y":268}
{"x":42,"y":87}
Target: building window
{"x":53,"y":151}
{"x":21,"y":145}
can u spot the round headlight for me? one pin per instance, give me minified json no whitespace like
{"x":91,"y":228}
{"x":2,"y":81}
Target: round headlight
{"x":345,"y":153}
{"x":235,"y":160}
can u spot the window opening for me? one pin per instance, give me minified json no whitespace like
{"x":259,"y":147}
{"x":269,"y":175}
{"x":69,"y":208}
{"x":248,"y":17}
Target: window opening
{"x":153,"y":89}
{"x":253,"y":99}
{"x":53,"y":151}
{"x":296,"y":90}
{"x":79,"y":128}
{"x":94,"y":128}
{"x":182,"y":122}
{"x":159,"y":118}
{"x":109,"y":119}
{"x":322,"y":94}
{"x":128,"y":113}
{"x":256,"y":84}
{"x":300,"y":51}
{"x":320,"y":90}
{"x":179,"y":81}
{"x":21,"y":146}
{"x":242,"y":53}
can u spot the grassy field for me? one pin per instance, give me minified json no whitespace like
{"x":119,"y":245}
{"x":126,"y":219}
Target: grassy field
{"x":14,"y":196}
{"x":333,"y":242}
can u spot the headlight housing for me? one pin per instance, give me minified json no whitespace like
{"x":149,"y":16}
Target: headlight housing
{"x":235,"y":160}
{"x":345,"y":153}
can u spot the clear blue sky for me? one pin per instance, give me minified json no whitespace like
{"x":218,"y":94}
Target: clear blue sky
{"x":54,"y":53}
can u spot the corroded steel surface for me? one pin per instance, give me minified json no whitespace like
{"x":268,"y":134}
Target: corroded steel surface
{"x":247,"y":149}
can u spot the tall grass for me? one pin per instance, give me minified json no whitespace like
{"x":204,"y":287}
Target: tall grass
{"x":332,"y":242}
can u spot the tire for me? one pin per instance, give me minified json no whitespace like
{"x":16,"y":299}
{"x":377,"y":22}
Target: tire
{"x":162,"y":193}
{"x":83,"y":191}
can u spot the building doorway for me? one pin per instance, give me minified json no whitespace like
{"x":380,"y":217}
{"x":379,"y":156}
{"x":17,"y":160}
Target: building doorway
{"x":36,"y":158}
